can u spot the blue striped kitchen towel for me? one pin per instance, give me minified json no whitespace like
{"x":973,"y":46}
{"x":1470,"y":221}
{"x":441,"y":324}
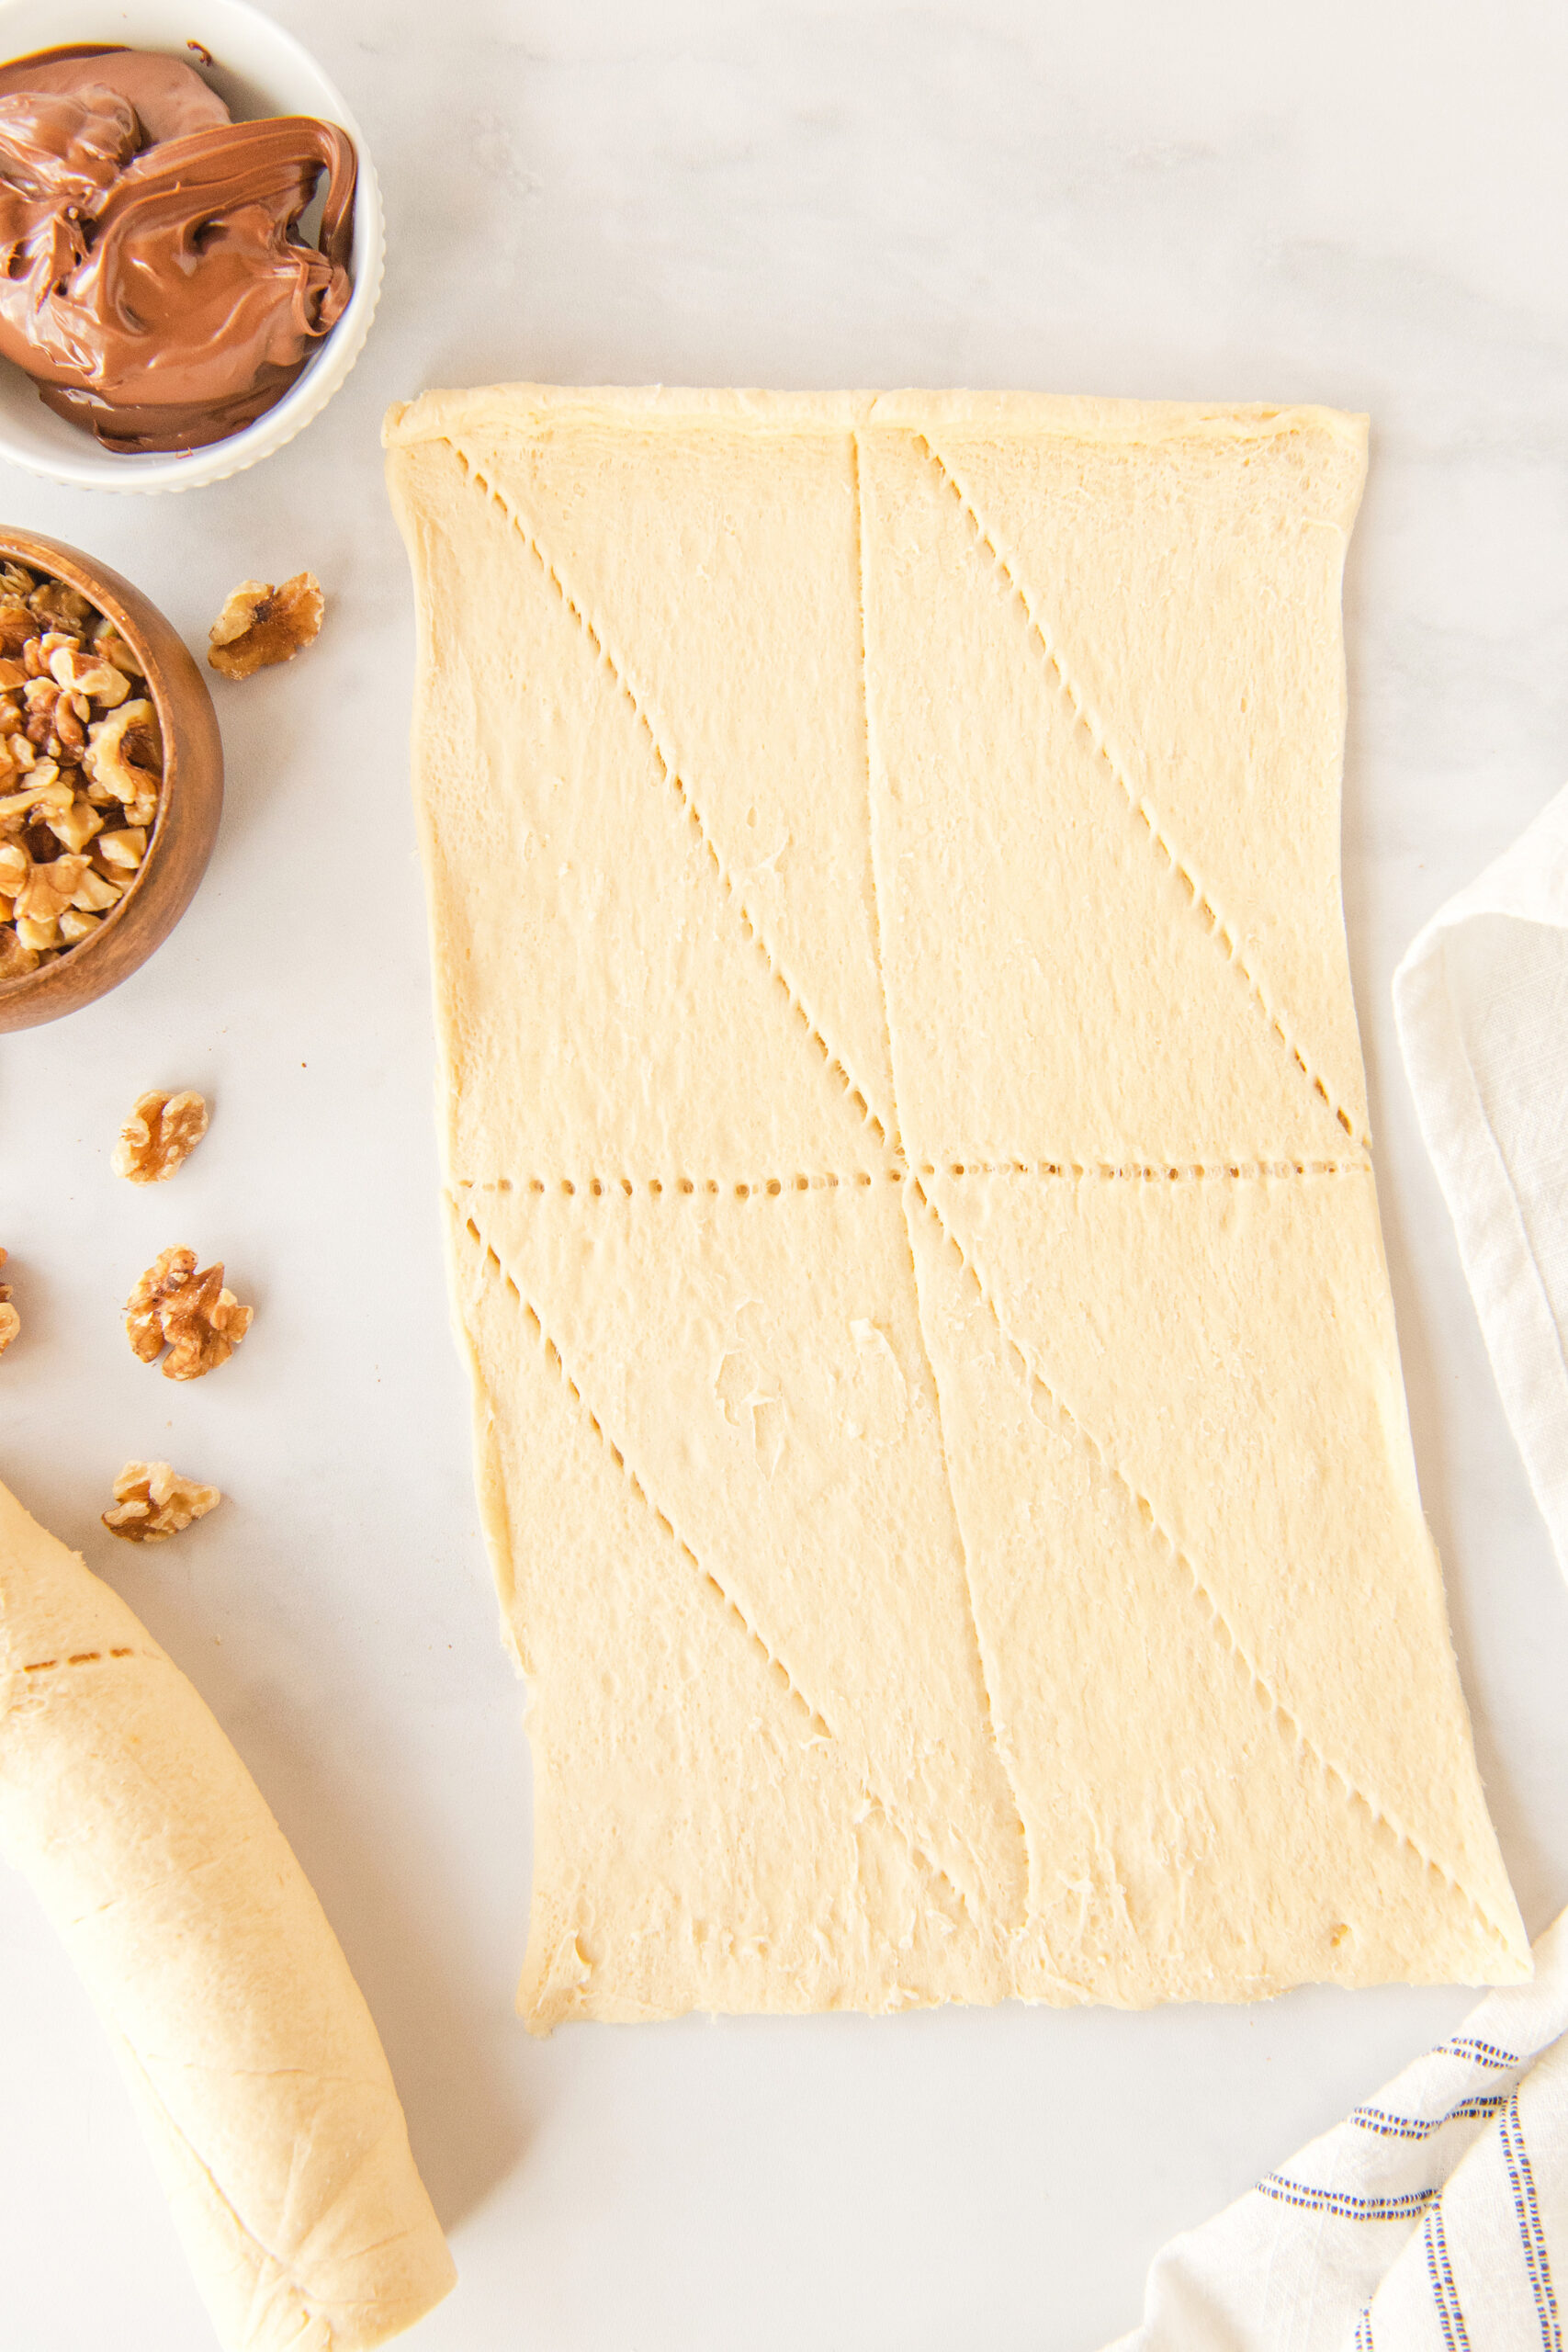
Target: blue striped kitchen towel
{"x":1427,"y":2221}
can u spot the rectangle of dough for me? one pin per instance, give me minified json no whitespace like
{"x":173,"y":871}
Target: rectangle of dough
{"x":912,"y":1220}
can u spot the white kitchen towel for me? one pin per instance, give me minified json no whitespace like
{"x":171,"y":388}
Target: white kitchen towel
{"x":1429,"y":2220}
{"x":1481,"y":1004}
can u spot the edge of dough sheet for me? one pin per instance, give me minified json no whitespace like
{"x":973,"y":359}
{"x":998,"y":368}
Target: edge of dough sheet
{"x":488,"y":1485}
{"x":490,"y":1482}
{"x":434,"y":415}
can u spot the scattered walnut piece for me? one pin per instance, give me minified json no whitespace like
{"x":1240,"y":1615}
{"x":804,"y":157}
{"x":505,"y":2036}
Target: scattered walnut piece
{"x":151,"y":1501}
{"x":260,"y":625}
{"x":161,"y":1132}
{"x":202,"y":1322}
{"x":10,"y":1321}
{"x":79,"y":752}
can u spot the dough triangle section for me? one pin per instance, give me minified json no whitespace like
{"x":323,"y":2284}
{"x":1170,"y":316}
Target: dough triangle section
{"x":1226,"y":1345}
{"x":698,"y":1842}
{"x":1184,"y":1842}
{"x":604,"y":1012}
{"x":1190,"y":586}
{"x":1053,"y":991}
{"x":757,"y":1363}
{"x":718,"y":562}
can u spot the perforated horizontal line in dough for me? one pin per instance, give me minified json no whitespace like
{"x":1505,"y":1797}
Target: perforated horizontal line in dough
{"x":1202,"y":904}
{"x":82,"y":1657}
{"x":766,"y":1188}
{"x":1140,"y":1171}
{"x":494,"y":1266}
{"x":753,"y":1187}
{"x":1285,"y":1721}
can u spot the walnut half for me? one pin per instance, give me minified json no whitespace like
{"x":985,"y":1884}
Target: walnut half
{"x":260,"y":625}
{"x":151,"y":1501}
{"x":10,"y":1321}
{"x":202,"y":1322}
{"x":160,"y":1135}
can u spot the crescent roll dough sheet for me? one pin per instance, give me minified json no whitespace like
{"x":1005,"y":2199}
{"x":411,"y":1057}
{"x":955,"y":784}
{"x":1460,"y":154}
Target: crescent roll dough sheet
{"x":912,"y":1214}
{"x":249,"y":2055}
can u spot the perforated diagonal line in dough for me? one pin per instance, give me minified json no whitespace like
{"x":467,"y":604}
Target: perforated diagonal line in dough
{"x":1286,"y":1724}
{"x":856,"y":1095}
{"x":1202,"y":905}
{"x":734,"y":1615}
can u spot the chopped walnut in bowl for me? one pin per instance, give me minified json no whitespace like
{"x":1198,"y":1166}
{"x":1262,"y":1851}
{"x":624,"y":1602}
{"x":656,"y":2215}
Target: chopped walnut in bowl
{"x":111,"y":778}
{"x":81,"y":768}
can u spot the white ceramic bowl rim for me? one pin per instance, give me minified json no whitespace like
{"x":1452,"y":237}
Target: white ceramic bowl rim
{"x":265,"y":69}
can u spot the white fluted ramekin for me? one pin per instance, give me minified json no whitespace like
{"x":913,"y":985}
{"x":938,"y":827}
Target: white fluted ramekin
{"x":258,"y":69}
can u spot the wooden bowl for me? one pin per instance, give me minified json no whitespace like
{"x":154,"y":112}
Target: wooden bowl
{"x":188,"y":806}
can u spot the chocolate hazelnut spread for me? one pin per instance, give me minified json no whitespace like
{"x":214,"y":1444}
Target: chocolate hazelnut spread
{"x":170,"y":97}
{"x":152,"y":279}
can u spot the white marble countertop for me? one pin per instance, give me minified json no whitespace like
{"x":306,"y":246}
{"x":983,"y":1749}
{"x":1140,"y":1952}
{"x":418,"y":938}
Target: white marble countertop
{"x":1360,"y":204}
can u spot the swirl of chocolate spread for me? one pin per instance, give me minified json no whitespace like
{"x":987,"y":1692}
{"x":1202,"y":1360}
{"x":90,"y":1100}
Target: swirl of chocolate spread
{"x":153,"y":282}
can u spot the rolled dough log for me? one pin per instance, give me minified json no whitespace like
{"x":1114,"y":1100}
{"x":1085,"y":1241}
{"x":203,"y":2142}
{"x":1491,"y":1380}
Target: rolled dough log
{"x":251,"y":2056}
